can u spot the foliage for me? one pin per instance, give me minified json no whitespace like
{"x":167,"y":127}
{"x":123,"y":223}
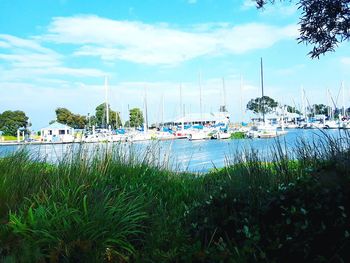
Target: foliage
{"x":319,"y":109}
{"x":91,"y":209}
{"x":323,"y":23}
{"x":262,"y":105}
{"x":291,"y":109}
{"x":114,"y":117}
{"x":117,"y":207}
{"x":65,"y":116}
{"x":264,"y":212}
{"x":11,"y":121}
{"x":136,"y":117}
{"x":237,"y":135}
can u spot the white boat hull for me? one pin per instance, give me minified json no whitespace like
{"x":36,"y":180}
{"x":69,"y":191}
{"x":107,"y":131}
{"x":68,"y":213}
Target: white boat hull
{"x":198,"y":136}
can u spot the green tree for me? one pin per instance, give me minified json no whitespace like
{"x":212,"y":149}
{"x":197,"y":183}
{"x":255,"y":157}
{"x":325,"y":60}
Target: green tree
{"x":136,"y":117}
{"x":11,"y":121}
{"x":262,"y":105}
{"x":323,"y":23}
{"x":100,"y":116}
{"x":65,"y":116}
{"x":291,"y":109}
{"x":118,"y":120}
{"x":319,"y":109}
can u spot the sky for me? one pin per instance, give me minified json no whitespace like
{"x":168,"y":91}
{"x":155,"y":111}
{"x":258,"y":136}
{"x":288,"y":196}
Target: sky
{"x":57,"y":53}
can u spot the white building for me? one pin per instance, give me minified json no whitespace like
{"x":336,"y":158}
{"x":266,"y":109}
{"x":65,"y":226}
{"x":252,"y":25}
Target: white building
{"x":203,"y":119}
{"x":57,"y":132}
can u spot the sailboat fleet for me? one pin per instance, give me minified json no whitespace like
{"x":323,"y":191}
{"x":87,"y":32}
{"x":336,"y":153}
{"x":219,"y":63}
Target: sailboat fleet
{"x":217,"y":125}
{"x":206,"y":126}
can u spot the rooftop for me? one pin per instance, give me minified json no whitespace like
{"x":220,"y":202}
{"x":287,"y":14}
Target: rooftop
{"x":57,"y":126}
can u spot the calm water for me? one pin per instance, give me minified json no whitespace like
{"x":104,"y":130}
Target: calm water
{"x":199,"y":156}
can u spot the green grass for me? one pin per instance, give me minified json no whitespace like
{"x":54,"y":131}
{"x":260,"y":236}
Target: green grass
{"x":8,"y":138}
{"x":114,"y":207}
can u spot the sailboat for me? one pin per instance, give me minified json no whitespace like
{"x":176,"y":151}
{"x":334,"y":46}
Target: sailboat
{"x":264,"y":130}
{"x":164,"y":133}
{"x":199,"y":132}
{"x":332,"y":123}
{"x":221,"y":131}
{"x":102,"y":134}
{"x":143,"y":135}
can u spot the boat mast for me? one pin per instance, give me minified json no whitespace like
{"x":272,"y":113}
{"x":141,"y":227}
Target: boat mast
{"x":224,"y":95}
{"x":262,"y":83}
{"x":162,"y":110}
{"x":241,"y":97}
{"x":328,"y":104}
{"x":181,"y":110}
{"x":106,"y":101}
{"x":200,"y":94}
{"x":343,"y":95}
{"x":146,"y":113}
{"x":303,"y":102}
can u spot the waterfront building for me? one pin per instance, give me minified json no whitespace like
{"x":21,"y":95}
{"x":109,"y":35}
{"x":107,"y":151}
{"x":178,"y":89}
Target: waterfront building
{"x":57,"y":132}
{"x":200,"y":119}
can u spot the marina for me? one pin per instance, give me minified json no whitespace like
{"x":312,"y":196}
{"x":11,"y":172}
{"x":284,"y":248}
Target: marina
{"x":181,"y":154}
{"x":175,"y":131}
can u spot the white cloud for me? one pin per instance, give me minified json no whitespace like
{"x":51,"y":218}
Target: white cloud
{"x":32,"y":74}
{"x":4,"y":45}
{"x":28,"y":59}
{"x":248,"y":4}
{"x":160,"y":44}
{"x":192,"y":2}
{"x":252,"y":36}
{"x":291,"y":70}
{"x":345,"y":60}
{"x":280,"y":10}
{"x":28,"y":44}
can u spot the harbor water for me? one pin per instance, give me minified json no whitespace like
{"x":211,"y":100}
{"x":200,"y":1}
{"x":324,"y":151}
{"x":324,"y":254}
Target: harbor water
{"x":181,"y":154}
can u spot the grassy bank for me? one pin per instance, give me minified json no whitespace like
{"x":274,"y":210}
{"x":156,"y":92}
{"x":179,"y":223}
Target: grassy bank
{"x":8,"y":138}
{"x":112,"y":208}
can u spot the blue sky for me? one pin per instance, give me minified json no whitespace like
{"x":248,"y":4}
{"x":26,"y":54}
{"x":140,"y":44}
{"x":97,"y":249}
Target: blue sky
{"x":56,"y":54}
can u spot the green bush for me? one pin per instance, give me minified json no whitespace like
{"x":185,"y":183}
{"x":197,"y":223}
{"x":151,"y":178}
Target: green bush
{"x":237,"y":135}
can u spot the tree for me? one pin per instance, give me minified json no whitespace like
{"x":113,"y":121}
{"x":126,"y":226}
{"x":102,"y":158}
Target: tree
{"x":11,"y":121}
{"x":136,"y":117}
{"x":114,"y":117}
{"x":262,"y":105}
{"x":319,"y":109}
{"x":65,"y":116}
{"x":323,"y":23}
{"x":291,"y":109}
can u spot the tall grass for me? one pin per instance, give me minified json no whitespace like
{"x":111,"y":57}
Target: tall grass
{"x":109,"y":204}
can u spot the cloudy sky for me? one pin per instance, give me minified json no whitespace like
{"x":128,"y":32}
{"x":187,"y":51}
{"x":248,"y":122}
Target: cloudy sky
{"x":57,"y":53}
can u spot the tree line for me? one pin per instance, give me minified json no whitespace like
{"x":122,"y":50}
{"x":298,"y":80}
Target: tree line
{"x":265,"y":105}
{"x":12,"y":121}
{"x":99,"y":119}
